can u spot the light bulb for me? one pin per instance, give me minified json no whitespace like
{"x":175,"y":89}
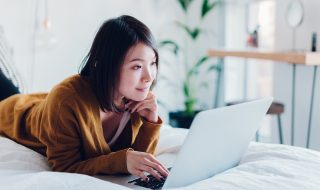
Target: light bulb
{"x":44,"y":38}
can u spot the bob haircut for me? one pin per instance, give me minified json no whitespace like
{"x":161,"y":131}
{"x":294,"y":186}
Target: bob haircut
{"x":103,"y":63}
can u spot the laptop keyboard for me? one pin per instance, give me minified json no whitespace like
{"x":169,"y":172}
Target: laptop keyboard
{"x":153,"y":183}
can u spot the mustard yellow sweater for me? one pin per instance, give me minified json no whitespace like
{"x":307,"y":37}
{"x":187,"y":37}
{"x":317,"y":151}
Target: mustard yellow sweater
{"x":65,"y":126}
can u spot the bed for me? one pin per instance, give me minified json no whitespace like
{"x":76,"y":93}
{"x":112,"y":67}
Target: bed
{"x":264,"y":166}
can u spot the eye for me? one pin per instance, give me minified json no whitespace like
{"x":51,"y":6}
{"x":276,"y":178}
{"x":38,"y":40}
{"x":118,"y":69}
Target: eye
{"x":137,"y":67}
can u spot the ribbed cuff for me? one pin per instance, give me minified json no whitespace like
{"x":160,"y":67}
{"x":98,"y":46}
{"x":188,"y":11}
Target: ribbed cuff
{"x":117,"y":162}
{"x":159,"y":123}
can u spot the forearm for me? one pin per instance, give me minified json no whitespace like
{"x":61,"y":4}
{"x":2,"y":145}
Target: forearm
{"x":148,"y":136}
{"x":112,"y":163}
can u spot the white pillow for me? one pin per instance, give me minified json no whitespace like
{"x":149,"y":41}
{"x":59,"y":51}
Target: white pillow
{"x":14,"y":156}
{"x":171,"y":139}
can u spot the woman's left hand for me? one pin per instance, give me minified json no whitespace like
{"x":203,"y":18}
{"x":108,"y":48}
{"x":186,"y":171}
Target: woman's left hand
{"x":147,"y":108}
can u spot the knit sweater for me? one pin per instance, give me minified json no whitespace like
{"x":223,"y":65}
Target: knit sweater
{"x":65,"y":126}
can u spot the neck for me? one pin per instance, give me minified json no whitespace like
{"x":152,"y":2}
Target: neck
{"x":119,"y":102}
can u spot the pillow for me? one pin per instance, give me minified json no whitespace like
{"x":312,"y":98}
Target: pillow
{"x":171,"y":139}
{"x":14,"y":156}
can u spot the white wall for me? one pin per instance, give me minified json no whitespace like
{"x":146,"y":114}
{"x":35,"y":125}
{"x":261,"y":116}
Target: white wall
{"x":235,"y":38}
{"x":283,"y":73}
{"x":74,"y":24}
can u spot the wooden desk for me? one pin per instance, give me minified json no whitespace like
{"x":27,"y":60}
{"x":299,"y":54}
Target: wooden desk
{"x":304,"y":58}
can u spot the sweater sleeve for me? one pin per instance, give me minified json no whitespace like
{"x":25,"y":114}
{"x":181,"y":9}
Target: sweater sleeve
{"x":65,"y":150}
{"x":148,"y":136}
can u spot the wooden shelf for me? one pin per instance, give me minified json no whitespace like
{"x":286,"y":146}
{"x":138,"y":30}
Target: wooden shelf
{"x":306,"y":58}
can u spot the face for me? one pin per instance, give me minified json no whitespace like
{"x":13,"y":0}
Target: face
{"x":137,"y":73}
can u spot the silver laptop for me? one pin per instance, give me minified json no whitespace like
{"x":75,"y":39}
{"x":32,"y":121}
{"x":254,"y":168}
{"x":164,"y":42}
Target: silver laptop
{"x":217,"y":140}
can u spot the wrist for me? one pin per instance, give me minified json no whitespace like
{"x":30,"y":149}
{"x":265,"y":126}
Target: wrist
{"x":154,"y":120}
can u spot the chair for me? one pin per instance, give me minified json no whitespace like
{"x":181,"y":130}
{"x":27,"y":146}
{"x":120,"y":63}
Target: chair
{"x":277,"y":109}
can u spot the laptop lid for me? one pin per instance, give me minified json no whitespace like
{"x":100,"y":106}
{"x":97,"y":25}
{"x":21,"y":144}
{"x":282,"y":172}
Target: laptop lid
{"x":217,"y":140}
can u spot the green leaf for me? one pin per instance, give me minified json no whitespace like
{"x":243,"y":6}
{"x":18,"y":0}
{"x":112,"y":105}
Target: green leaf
{"x":195,"y":68}
{"x":184,"y":4}
{"x":214,"y":67}
{"x":207,"y":7}
{"x":192,"y":33}
{"x":186,"y":90}
{"x":202,"y":60}
{"x":189,"y":105}
{"x":174,"y":45}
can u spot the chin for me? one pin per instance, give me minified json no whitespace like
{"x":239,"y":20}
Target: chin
{"x":137,"y":98}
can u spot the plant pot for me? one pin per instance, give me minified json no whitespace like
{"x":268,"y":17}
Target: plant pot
{"x":182,"y":119}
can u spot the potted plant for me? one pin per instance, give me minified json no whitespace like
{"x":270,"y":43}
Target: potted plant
{"x":191,"y":69}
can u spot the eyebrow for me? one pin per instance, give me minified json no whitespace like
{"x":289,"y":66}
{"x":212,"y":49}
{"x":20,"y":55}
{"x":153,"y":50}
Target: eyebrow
{"x":138,"y":59}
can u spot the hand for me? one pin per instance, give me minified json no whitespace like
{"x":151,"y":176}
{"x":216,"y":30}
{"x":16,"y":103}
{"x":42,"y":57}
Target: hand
{"x":147,"y":108}
{"x":140,"y":162}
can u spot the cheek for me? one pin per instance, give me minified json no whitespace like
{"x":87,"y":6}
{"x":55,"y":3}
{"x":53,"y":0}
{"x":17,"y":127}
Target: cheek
{"x":127,"y":80}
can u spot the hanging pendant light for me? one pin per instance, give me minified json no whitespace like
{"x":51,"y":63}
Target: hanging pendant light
{"x":44,"y":37}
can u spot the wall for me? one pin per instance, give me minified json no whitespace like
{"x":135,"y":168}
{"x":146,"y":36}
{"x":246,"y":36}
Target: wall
{"x":283,"y":73}
{"x":74,"y":24}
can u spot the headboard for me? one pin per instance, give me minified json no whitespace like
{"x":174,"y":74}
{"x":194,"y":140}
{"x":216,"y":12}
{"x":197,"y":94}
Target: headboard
{"x":7,"y":65}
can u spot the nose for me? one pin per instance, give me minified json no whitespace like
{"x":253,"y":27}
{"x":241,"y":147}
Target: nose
{"x":148,"y":76}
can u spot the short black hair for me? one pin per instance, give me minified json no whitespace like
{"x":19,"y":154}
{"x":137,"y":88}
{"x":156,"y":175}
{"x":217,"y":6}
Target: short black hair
{"x":103,"y":63}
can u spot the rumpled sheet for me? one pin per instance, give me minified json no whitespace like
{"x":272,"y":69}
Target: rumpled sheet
{"x":264,"y":166}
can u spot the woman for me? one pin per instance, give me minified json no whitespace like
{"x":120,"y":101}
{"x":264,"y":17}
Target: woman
{"x":102,"y":121}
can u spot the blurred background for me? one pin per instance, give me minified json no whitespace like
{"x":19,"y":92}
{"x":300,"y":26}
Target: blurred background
{"x":48,"y":39}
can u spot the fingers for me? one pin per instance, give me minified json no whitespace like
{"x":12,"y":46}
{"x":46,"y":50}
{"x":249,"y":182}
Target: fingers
{"x":150,"y":100}
{"x":140,"y":173}
{"x":156,"y":167}
{"x":154,"y":163}
{"x":144,"y":105}
{"x":140,"y":162}
{"x":149,"y":96}
{"x":149,"y":103}
{"x":150,"y":161}
{"x":151,"y":171}
{"x":133,"y":107}
{"x":150,"y":107}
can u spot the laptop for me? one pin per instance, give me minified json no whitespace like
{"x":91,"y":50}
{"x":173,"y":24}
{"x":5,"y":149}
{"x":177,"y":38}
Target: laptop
{"x":216,"y":142}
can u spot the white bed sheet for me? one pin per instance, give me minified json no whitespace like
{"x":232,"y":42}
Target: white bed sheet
{"x":264,"y":166}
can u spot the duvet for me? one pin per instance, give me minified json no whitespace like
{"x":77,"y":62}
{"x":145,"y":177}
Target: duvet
{"x":264,"y":166}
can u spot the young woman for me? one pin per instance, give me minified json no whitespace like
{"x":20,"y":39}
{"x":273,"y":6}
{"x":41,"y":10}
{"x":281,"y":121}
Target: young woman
{"x":103,"y":120}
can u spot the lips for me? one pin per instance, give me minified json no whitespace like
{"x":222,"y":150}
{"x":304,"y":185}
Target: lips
{"x":142,"y":89}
